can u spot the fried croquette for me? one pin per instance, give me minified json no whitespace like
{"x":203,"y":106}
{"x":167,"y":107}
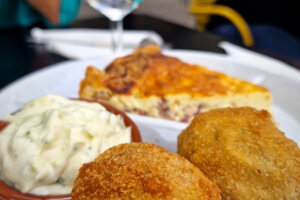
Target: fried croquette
{"x":142,"y":171}
{"x":243,"y":151}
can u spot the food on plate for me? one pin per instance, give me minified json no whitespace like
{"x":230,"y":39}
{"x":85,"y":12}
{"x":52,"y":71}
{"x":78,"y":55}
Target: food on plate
{"x":44,"y":144}
{"x":142,"y":171}
{"x":243,"y":151}
{"x":150,"y":83}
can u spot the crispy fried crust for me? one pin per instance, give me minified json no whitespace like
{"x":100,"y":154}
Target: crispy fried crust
{"x":142,"y":171}
{"x":244,"y":153}
{"x":148,"y":72}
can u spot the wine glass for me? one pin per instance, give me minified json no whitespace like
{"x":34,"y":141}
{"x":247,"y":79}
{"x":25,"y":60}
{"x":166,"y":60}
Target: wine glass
{"x":115,"y":11}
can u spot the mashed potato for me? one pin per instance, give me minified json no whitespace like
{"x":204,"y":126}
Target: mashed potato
{"x":46,"y":143}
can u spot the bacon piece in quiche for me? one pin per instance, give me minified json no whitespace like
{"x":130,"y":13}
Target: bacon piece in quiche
{"x":150,"y":83}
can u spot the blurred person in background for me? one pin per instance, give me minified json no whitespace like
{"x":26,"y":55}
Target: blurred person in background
{"x":44,"y":13}
{"x":17,"y":56}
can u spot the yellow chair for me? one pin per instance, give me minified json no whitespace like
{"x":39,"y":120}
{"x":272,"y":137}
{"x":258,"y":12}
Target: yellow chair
{"x":203,"y":9}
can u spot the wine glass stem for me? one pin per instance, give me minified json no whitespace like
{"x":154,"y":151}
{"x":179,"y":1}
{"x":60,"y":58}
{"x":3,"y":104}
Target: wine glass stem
{"x":117,"y":29}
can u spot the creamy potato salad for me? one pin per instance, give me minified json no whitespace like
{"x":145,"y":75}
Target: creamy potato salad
{"x":45,"y":143}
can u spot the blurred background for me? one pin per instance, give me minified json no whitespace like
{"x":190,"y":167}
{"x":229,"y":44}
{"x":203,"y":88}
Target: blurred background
{"x":270,"y":27}
{"x":274,"y":24}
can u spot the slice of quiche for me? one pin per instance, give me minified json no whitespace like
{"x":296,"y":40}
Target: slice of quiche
{"x":150,"y":83}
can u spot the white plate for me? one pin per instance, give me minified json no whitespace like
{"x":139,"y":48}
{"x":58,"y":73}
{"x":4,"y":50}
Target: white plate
{"x":64,"y":79}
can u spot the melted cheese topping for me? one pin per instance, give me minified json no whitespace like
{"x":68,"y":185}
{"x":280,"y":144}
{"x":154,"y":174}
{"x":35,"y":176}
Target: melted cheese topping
{"x":45,"y":144}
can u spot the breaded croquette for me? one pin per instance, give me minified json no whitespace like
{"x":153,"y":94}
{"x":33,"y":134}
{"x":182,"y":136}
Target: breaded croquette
{"x":243,"y":151}
{"x":142,"y":171}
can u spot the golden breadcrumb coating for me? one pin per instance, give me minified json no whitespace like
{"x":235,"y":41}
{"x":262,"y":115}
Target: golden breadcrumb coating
{"x":243,"y":151}
{"x":142,"y":171}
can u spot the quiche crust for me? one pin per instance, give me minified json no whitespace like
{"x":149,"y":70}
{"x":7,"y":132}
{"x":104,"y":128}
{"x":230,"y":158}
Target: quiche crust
{"x":150,"y":83}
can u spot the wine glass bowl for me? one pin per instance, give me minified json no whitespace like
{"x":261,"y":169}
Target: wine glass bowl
{"x":114,"y":10}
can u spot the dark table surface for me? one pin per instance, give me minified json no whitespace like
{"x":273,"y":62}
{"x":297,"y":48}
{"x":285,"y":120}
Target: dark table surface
{"x":19,"y":57}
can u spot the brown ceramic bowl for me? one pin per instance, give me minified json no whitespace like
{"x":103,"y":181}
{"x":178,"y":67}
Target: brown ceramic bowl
{"x":9,"y":193}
